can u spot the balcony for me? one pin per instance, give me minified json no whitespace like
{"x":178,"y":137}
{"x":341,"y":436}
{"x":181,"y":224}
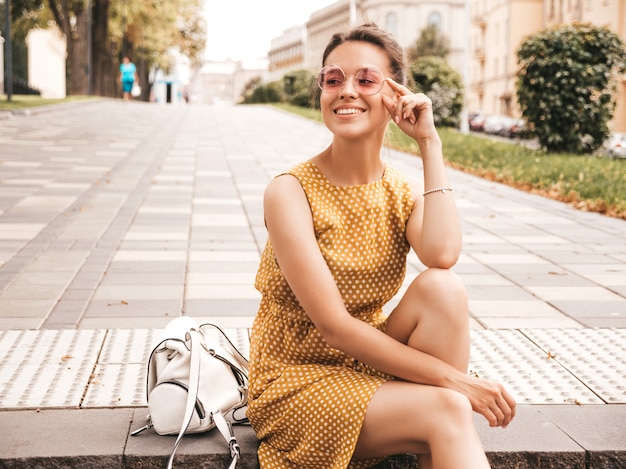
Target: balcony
{"x":479,"y":54}
{"x":479,"y":20}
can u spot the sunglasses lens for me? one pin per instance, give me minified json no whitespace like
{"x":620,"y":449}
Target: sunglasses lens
{"x":368,"y":80}
{"x":331,"y":78}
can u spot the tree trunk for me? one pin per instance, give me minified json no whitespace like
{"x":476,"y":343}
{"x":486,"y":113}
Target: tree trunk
{"x":75,"y":34}
{"x":103,"y":76}
{"x":78,"y":61}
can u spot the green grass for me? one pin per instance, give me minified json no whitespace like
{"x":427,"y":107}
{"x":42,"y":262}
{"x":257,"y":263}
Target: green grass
{"x":21,"y":101}
{"x":587,"y":182}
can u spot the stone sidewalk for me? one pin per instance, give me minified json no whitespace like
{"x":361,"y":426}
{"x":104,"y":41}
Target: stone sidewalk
{"x":116,"y":217}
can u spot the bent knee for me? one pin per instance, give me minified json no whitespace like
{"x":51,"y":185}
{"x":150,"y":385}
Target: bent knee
{"x":444,"y":415}
{"x":440,"y":279}
{"x":453,"y":411}
{"x":441,"y":287}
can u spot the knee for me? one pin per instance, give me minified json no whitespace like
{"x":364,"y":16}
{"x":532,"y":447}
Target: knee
{"x":455,"y":405}
{"x":453,"y":414}
{"x":443,"y":289}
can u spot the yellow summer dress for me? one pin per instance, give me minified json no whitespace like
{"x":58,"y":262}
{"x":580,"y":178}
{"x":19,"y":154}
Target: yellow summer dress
{"x":307,"y":400}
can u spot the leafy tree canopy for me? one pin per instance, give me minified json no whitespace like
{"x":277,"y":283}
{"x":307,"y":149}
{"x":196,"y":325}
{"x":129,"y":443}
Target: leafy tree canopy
{"x":566,"y":80}
{"x":443,"y":85}
{"x":149,"y":29}
{"x":152,"y":28}
{"x":431,"y":43}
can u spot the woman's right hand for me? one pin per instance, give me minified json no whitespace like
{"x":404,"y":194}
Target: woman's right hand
{"x":490,"y":399}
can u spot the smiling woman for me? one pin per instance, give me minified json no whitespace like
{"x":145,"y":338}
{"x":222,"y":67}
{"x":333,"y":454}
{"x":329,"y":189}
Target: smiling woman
{"x":334,"y":383}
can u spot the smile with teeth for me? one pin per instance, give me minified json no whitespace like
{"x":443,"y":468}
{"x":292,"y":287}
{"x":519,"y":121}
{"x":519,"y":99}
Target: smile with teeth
{"x":349,"y":111}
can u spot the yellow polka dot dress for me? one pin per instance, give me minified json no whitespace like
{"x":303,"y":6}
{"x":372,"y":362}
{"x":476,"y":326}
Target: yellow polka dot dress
{"x":307,"y":400}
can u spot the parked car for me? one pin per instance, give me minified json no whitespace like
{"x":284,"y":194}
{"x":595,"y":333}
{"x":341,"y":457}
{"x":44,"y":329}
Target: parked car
{"x":506,"y":126}
{"x":616,"y":145}
{"x":518,"y":129}
{"x":497,"y":125}
{"x":476,"y":122}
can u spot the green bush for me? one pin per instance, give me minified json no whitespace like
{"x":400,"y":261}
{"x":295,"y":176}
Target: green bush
{"x":300,"y":87}
{"x":272,"y":92}
{"x":443,"y":85}
{"x":566,"y":83}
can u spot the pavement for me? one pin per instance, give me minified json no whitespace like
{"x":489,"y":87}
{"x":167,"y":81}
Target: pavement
{"x":117,"y":217}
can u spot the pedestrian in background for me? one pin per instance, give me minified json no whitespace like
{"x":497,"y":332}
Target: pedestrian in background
{"x":127,"y":77}
{"x":334,"y":382}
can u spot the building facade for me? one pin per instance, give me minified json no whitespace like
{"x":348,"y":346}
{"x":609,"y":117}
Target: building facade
{"x":484,"y":37}
{"x":609,"y":13}
{"x":287,"y":52}
{"x":225,"y":81}
{"x":498,"y":27}
{"x":403,"y":19}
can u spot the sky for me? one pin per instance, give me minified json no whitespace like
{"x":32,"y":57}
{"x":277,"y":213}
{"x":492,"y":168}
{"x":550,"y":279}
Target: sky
{"x":243,"y":29}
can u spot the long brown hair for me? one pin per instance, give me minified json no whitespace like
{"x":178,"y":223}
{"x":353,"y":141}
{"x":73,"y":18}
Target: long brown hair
{"x":371,"y":33}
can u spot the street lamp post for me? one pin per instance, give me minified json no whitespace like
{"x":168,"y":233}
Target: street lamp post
{"x":124,"y":31}
{"x":8,"y":56}
{"x":466,"y":68}
{"x":352,"y":13}
{"x":89,"y":52}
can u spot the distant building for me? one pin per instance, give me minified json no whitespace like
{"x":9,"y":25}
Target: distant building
{"x":496,"y":30}
{"x":610,"y":13}
{"x":404,"y":19}
{"x":287,"y":52}
{"x":46,"y":62}
{"x":224,"y":81}
{"x":498,"y":27}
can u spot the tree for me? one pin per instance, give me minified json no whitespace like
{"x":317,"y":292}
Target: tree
{"x":431,"y":43}
{"x":71,"y":18}
{"x":148,"y":28}
{"x":25,"y":15}
{"x":565,"y":86}
{"x":443,"y":85}
{"x":272,"y":92}
{"x":299,"y":87}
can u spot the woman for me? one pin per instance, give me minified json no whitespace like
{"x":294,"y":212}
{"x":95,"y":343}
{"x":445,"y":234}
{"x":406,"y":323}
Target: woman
{"x":334,"y":382}
{"x":127,"y":77}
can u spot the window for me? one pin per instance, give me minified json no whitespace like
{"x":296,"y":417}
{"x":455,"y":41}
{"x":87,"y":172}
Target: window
{"x":391,"y":24}
{"x":434,"y":19}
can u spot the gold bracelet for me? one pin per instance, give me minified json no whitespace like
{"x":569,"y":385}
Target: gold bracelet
{"x":438,"y":189}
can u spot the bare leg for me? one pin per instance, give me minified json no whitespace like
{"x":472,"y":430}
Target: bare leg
{"x":427,"y":420}
{"x":412,"y":418}
{"x":433,"y":316}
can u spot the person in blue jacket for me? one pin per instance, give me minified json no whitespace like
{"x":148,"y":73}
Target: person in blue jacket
{"x":128,"y":76}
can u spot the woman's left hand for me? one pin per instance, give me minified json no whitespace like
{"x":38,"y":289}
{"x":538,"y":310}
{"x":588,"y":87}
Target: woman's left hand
{"x":412,"y":112}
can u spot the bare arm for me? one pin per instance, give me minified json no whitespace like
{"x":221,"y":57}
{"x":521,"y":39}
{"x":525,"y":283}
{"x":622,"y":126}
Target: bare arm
{"x":433,"y":230}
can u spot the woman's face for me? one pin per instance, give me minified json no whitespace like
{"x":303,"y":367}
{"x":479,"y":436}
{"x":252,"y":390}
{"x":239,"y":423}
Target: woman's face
{"x":349,"y":112}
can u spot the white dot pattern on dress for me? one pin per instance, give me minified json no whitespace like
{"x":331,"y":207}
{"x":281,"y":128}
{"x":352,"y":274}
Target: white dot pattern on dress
{"x":307,"y":400}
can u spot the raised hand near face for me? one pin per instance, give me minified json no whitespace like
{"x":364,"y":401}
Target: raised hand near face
{"x":412,"y":112}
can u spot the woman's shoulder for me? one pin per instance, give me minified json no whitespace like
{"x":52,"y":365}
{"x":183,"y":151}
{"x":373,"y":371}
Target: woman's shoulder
{"x":402,"y":182}
{"x":393,"y":173}
{"x":302,"y":170}
{"x":396,"y":177}
{"x":305,"y":173}
{"x":291,"y":179}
